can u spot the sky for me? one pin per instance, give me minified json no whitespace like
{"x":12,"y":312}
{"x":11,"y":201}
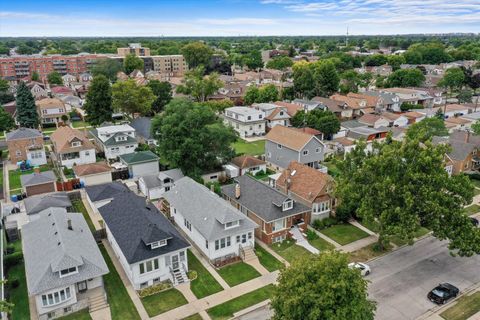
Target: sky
{"x":235,"y":17}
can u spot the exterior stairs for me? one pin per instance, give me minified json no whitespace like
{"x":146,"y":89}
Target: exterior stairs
{"x":97,"y":303}
{"x":249,"y":254}
{"x":179,"y":276}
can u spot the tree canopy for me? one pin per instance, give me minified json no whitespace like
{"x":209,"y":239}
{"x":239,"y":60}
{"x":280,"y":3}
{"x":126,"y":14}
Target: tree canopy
{"x":6,"y":120}
{"x":197,"y":54}
{"x":55,"y":78}
{"x":427,"y":128}
{"x":130,"y":63}
{"x":131,"y":98}
{"x":406,"y":78}
{"x":163,"y":94}
{"x":323,"y":121}
{"x":27,"y":115}
{"x":98,"y":103}
{"x":316,"y":78}
{"x":107,"y":67}
{"x":199,"y":86}
{"x":280,"y":63}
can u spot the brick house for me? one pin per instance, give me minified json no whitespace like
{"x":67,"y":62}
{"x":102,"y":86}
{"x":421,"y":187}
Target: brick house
{"x":274,"y":212}
{"x":26,"y":144}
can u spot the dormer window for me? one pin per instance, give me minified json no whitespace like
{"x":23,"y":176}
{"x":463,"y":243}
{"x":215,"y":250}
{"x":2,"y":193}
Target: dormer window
{"x":67,"y":272}
{"x":233,"y":224}
{"x":122,"y":138}
{"x":158,"y":244}
{"x":287,"y":205}
{"x":76,"y":144}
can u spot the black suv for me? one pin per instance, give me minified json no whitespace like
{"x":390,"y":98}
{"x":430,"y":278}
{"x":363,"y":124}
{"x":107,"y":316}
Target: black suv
{"x":442,"y":293}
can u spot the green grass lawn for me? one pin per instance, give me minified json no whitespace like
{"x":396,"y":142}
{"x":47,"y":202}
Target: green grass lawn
{"x":227,"y":309}
{"x":78,"y":206}
{"x":344,"y":233}
{"x":465,"y":307}
{"x":289,"y":250}
{"x":205,"y":284}
{"x":163,"y":301}
{"x":370,"y":225}
{"x":252,"y":148}
{"x":474,"y":208}
{"x":421,"y":232}
{"x":267,"y":260}
{"x":14,"y":176}
{"x":475,"y":182}
{"x":19,"y":295}
{"x":237,"y":273}
{"x":366,"y":253}
{"x":80,"y":124}
{"x":321,"y":244}
{"x":332,"y":168}
{"x":80,"y":315}
{"x":195,"y":316}
{"x":121,"y":306}
{"x":476,"y":192}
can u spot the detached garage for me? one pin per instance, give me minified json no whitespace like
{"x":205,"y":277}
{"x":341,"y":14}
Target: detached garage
{"x":140,"y":163}
{"x":93,"y":173}
{"x":38,"y":183}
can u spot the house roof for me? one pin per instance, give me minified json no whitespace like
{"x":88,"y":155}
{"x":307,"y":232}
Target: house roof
{"x":63,"y":137}
{"x":142,"y":126}
{"x":156,"y":180}
{"x":205,"y":210}
{"x":456,"y":120}
{"x":49,"y":103}
{"x":289,"y":137}
{"x":261,"y":199}
{"x":308,"y":130}
{"x":371,"y":100}
{"x":306,"y":182}
{"x":37,"y":178}
{"x":50,"y":246}
{"x":353,"y":103}
{"x":364,"y":132}
{"x":41,"y":202}
{"x":134,"y":224}
{"x":23,"y":133}
{"x":292,"y":108}
{"x":462,"y":144}
{"x":247,"y":161}
{"x":344,"y":141}
{"x":391,"y":116}
{"x":91,"y":168}
{"x":369,"y":119}
{"x":276,"y":112}
{"x":138,"y":157}
{"x":105,"y":191}
{"x":413,"y":114}
{"x":61,"y":90}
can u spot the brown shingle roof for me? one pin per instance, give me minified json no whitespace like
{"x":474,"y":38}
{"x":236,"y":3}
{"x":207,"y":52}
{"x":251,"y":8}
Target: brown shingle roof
{"x":353,"y":103}
{"x":62,"y":139}
{"x":91,"y":168}
{"x":413,"y":114}
{"x":288,"y":137}
{"x":246,"y":162}
{"x":371,"y":100}
{"x":49,"y":103}
{"x":292,"y":108}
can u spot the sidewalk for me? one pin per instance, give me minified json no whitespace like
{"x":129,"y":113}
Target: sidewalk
{"x":359,"y":244}
{"x":301,"y":241}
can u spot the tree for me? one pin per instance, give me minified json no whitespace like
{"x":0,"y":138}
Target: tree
{"x":107,"y":67}
{"x":163,"y":93}
{"x":323,"y":121}
{"x":453,"y":79}
{"x":197,"y":54}
{"x":218,"y":105}
{"x":254,"y":60}
{"x":303,"y":80}
{"x":6,"y":120}
{"x":5,"y":306}
{"x":427,"y":128}
{"x":406,"y":106}
{"x":376,"y":60}
{"x":251,"y":95}
{"x":395,"y":61}
{"x":268,"y":93}
{"x":326,"y":78}
{"x":192,"y":137}
{"x":476,"y":127}
{"x":406,"y":78}
{"x":280,"y":63}
{"x":349,"y":82}
{"x":131,"y":98}
{"x":321,"y":287}
{"x":35,"y":76}
{"x":473,"y":82}
{"x":98,"y":103}
{"x":55,"y":78}
{"x":402,"y":186}
{"x":27,"y":115}
{"x":199,"y":86}
{"x":5,"y":95}
{"x":131,"y":63}
{"x":465,"y":96}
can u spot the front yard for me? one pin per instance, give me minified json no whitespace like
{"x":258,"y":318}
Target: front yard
{"x":205,"y":284}
{"x":289,"y":250}
{"x":366,"y":253}
{"x":14,"y":177}
{"x":344,"y":233}
{"x":80,"y":315}
{"x":254,"y":148}
{"x":19,"y":295}
{"x":163,"y":301}
{"x":321,"y":244}
{"x":237,"y":273}
{"x":465,"y":307}
{"x":227,"y":309}
{"x":266,"y":259}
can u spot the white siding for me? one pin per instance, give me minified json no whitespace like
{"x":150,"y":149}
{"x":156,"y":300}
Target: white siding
{"x":143,"y":169}
{"x":98,"y":178}
{"x":85,"y":157}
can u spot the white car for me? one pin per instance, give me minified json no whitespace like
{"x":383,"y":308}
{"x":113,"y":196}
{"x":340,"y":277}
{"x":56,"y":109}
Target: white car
{"x":364,"y":269}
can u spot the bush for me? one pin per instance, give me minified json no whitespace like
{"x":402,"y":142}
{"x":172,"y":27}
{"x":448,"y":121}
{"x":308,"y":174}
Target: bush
{"x":192,"y":275}
{"x":260,"y":173}
{"x":343,"y":213}
{"x":311,"y":235}
{"x":13,"y":259}
{"x":216,"y":187}
{"x":67,"y":171}
{"x":325,"y":223}
{"x":474,"y":176}
{"x":13,"y":283}
{"x":162,"y":286}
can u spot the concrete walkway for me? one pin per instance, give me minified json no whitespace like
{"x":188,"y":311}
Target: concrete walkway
{"x":209,"y":267}
{"x":324,"y":237}
{"x":359,"y":244}
{"x":93,"y":216}
{"x":102,"y":314}
{"x":258,"y":266}
{"x":184,"y":288}
{"x":361,"y":227}
{"x":217,"y":298}
{"x":301,"y":241}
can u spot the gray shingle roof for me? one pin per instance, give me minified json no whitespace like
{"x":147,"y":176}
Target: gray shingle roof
{"x":459,"y":148}
{"x":142,"y":127}
{"x":23,"y":133}
{"x":104,"y":191}
{"x":156,"y":180}
{"x":37,"y":178}
{"x":41,"y":202}
{"x":205,"y":210}
{"x":261,"y":199}
{"x":133,"y":224}
{"x":49,"y":246}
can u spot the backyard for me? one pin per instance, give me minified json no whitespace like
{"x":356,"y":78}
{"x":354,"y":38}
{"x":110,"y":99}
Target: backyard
{"x":254,"y":148}
{"x":237,"y":273}
{"x":289,"y":250}
{"x":14,"y":177}
{"x":344,"y":233}
{"x":465,"y":307}
{"x":18,"y":295}
{"x":78,"y":206}
{"x":205,"y":284}
{"x":266,"y":259}
{"x":163,"y":301}
{"x":80,"y":124}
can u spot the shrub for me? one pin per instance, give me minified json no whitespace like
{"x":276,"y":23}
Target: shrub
{"x":162,"y":286}
{"x":260,"y":173}
{"x":311,"y":235}
{"x":13,"y":283}
{"x":474,"y":176}
{"x":318,"y":224}
{"x":67,"y":171}
{"x":324,"y":223}
{"x":192,"y":275}
{"x":13,"y":259}
{"x":216,"y":187}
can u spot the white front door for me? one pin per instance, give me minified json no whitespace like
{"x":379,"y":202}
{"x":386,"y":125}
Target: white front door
{"x":175,"y":263}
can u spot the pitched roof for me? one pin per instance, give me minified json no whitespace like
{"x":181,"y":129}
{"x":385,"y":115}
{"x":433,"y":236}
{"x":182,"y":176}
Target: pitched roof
{"x":289,"y":137}
{"x":205,"y":210}
{"x":41,"y":202}
{"x":138,"y":157}
{"x":276,"y":112}
{"x":391,"y":116}
{"x":292,"y":108}
{"x":462,"y":144}
{"x":369,"y":119}
{"x":63,"y":137}
{"x":371,"y":100}
{"x":261,"y":199}
{"x":353,"y":103}
{"x":49,"y":246}
{"x":157,"y":180}
{"x":91,"y":168}
{"x":142,"y":126}
{"x":23,"y":133}
{"x":413,"y":114}
{"x":306,"y":182}
{"x":308,"y":130}
{"x":61,"y":90}
{"x":105,"y":191}
{"x":247,"y":161}
{"x":332,"y":105}
{"x":48,"y":103}
{"x":134,"y":224}
{"x":37,"y":178}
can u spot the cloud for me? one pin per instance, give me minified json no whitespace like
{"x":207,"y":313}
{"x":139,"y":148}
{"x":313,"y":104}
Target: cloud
{"x":238,"y":21}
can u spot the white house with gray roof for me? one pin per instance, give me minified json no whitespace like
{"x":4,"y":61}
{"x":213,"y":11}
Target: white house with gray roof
{"x":246,"y":121}
{"x":219,"y":230}
{"x":115,"y":140}
{"x":63,"y":265}
{"x":153,"y":186}
{"x":142,"y":126}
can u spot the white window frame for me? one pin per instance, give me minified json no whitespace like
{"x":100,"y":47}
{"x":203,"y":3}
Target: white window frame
{"x":279,"y":225}
{"x":233,"y":224}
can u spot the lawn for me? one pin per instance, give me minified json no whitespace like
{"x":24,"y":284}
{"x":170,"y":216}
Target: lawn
{"x":227,"y":309}
{"x":78,"y":206}
{"x":332,"y":168}
{"x":465,"y":307}
{"x":252,"y":148}
{"x":121,"y":306}
{"x":237,"y":273}
{"x":289,"y":250}
{"x":266,"y":259}
{"x":474,"y":208}
{"x":370,"y":225}
{"x":80,"y":315}
{"x":421,"y":232}
{"x":344,"y":233}
{"x":80,"y":124}
{"x":195,"y":316}
{"x":476,"y":192}
{"x":19,"y":295}
{"x":205,"y":284}
{"x":321,"y":244}
{"x":475,"y":182}
{"x":367,"y":253}
{"x":162,"y":302}
{"x":14,"y":176}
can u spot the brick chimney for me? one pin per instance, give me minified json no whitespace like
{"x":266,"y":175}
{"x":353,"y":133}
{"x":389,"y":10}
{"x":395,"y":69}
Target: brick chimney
{"x":237,"y":191}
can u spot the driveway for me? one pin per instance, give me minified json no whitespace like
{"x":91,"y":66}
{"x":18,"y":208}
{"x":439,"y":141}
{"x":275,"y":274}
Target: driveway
{"x":400,"y":281}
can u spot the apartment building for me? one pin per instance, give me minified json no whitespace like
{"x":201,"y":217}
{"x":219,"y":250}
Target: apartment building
{"x":171,"y":64}
{"x":134,"y":48}
{"x":246,"y":121}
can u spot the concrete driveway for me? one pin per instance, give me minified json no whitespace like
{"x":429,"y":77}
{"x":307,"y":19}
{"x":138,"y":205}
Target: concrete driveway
{"x":400,"y":281}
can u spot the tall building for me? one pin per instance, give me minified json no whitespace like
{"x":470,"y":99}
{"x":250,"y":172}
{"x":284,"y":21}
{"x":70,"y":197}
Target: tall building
{"x":174,"y":65}
{"x":134,"y":48}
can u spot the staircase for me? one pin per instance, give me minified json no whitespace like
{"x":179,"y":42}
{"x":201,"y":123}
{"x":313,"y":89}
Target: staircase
{"x":248,"y":254}
{"x":97,"y":303}
{"x":179,"y":276}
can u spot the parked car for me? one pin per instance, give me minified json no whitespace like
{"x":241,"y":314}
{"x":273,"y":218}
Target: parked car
{"x":364,"y":269}
{"x":474,"y":221}
{"x":442,"y":293}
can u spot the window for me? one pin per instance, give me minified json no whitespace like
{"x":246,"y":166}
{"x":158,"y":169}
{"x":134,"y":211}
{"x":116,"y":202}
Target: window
{"x":287,"y":205}
{"x":279,"y":225}
{"x":76,"y":144}
{"x":249,"y":118}
{"x":87,"y":153}
{"x":206,"y":244}
{"x":305,"y":152}
{"x":156,"y":280}
{"x":18,"y":153}
{"x":278,"y":239}
{"x":67,"y":309}
{"x":222,"y":243}
{"x":249,"y":235}
{"x":230,"y":225}
{"x":187,"y":224}
{"x":158,"y":244}
{"x":317,"y":150}
{"x":56,"y":297}
{"x":66,"y":272}
{"x":149,"y":266}
{"x":279,"y":146}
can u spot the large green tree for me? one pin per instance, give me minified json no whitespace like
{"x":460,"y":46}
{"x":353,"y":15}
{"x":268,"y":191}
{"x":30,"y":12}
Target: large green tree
{"x":406,"y":78}
{"x":131,"y":63}
{"x":199,"y":86}
{"x":197,"y":54}
{"x":303,"y":80}
{"x":453,"y":80}
{"x":27,"y":115}
{"x":427,"y":128}
{"x":131,"y":98}
{"x":5,"y":95}
{"x":163,"y":94}
{"x":192,"y":137}
{"x":35,"y":76}
{"x":321,"y":287}
{"x":107,"y":67}
{"x":280,"y":63}
{"x":326,"y":78}
{"x":6,"y":120}
{"x":98,"y":103}
{"x":251,"y":95}
{"x":324,"y":121}
{"x":254,"y":60}
{"x":55,"y":78}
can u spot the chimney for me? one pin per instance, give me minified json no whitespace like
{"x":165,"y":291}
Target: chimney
{"x":287,"y":179}
{"x":69,"y":224}
{"x":36,"y":170}
{"x":237,"y":191}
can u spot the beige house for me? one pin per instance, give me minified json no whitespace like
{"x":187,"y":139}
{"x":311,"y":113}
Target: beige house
{"x":51,"y":110}
{"x":93,"y":173}
{"x":71,"y":147}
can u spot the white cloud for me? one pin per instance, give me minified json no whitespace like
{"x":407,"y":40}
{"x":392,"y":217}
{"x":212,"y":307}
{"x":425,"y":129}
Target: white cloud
{"x":238,"y":21}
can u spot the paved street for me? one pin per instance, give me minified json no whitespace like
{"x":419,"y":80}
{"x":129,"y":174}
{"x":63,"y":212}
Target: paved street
{"x":401,"y":280}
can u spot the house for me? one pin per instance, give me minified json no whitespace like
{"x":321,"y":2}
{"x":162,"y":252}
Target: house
{"x":448,"y":111}
{"x":142,"y":126}
{"x":61,"y":91}
{"x":215,"y":175}
{"x":387,"y":101}
{"x":63,"y":264}
{"x":412,"y":96}
{"x":395,"y":119}
{"x":71,"y":147}
{"x":153,"y":186}
{"x":284,"y":145}
{"x":51,"y":110}
{"x":25,"y":144}
{"x":374,"y":120}
{"x":115,"y":140}
{"x":358,"y":106}
{"x":220,"y":231}
{"x":465,"y":151}
{"x":85,"y":77}
{"x":246,"y":121}
{"x":38,"y":182}
{"x":308,"y":105}
{"x":148,"y":247}
{"x":67,"y":79}
{"x":72,"y":102}
{"x":273,"y":114}
{"x":292,"y":108}
{"x":38,"y":90}
{"x":457,"y":123}
{"x":414,"y":116}
{"x":308,"y":186}
{"x":93,"y":173}
{"x":339,"y":108}
{"x":273,"y":211}
{"x":38,"y":203}
{"x":140,"y":163}
{"x":101,"y":194}
{"x":367,"y":134}
{"x":248,"y":164}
